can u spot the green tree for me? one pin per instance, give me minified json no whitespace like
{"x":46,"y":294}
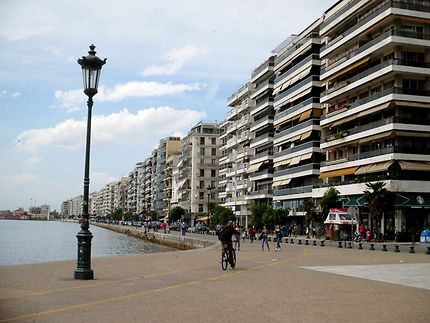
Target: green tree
{"x":258,"y":211}
{"x":221,"y":214}
{"x":331,"y":198}
{"x":309,"y":208}
{"x":176,"y":214}
{"x":376,"y":196}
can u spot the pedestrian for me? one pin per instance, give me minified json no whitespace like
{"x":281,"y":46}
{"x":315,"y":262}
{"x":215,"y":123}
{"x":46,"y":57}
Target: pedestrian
{"x":278,"y":237}
{"x":264,"y":239}
{"x":236,"y":238}
{"x":243,"y":235}
{"x":251,"y":233}
{"x":164,"y":227}
{"x":183,"y":228}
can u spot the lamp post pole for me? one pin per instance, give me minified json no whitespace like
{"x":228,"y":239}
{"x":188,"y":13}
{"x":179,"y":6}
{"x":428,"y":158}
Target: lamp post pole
{"x":91,"y":67}
{"x":210,"y":188}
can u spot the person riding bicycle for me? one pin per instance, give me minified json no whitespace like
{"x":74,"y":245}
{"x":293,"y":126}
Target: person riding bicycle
{"x":225,"y":235}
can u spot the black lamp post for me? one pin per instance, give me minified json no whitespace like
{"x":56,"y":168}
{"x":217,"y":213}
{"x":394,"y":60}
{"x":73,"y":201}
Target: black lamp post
{"x":91,"y":68}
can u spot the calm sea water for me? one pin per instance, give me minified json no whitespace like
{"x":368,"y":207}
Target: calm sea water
{"x":23,"y":242}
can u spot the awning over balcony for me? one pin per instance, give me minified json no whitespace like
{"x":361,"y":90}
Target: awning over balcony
{"x":305,"y":115}
{"x":252,"y":168}
{"x":305,"y":135}
{"x":374,"y":168}
{"x":281,"y":182}
{"x":295,"y":160}
{"x":282,"y":162}
{"x":375,"y":137}
{"x":415,"y":165}
{"x":339,"y":172}
{"x":347,"y":69}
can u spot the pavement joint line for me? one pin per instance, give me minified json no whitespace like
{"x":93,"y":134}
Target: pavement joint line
{"x":145,"y":293}
{"x":83,"y":286}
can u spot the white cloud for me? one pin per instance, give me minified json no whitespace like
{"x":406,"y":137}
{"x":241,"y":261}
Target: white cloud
{"x":121,"y":127}
{"x":23,"y":33}
{"x":143,"y":89}
{"x":3,"y":93}
{"x":176,"y":60}
{"x":35,"y":159}
{"x":16,"y":94}
{"x":99,"y":180}
{"x":72,"y":100}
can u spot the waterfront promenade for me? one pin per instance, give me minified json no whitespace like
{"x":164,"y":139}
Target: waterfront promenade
{"x":300,"y":283}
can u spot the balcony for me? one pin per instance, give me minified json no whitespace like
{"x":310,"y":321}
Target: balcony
{"x":298,"y":169}
{"x":264,"y":193}
{"x":267,"y":120}
{"x":371,"y":14}
{"x":291,"y":90}
{"x":300,"y":126}
{"x":263,"y":68}
{"x":295,"y":46}
{"x":265,"y":86}
{"x":307,"y":145}
{"x":293,"y":69}
{"x":267,"y":137}
{"x":261,"y":174}
{"x":295,"y":108}
{"x":339,"y":13}
{"x":261,"y":105}
{"x":292,"y":191}
{"x":268,"y":154}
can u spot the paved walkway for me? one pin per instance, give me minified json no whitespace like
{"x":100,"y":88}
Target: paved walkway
{"x":297,"y":284}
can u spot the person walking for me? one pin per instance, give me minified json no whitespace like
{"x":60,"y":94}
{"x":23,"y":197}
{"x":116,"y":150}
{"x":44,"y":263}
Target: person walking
{"x":278,"y":237}
{"x":264,"y":239}
{"x":236,"y":238}
{"x":251,"y":233}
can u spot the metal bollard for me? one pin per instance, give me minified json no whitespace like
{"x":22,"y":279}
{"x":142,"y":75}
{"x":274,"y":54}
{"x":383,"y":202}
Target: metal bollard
{"x":292,"y":240}
{"x":306,"y":242}
{"x":300,"y":241}
{"x":340,"y":244}
{"x":384,"y":247}
{"x":322,"y":243}
{"x":349,"y":245}
{"x":286,"y":240}
{"x":360,"y":245}
{"x":315,"y":242}
{"x":396,"y":248}
{"x":372,"y":246}
{"x":411,"y":249}
{"x":428,"y":251}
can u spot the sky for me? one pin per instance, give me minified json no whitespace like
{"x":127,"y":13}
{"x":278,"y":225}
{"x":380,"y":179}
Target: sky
{"x":170,"y":64}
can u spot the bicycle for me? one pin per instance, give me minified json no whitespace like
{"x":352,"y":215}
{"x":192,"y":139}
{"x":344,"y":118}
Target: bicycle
{"x":225,"y":259}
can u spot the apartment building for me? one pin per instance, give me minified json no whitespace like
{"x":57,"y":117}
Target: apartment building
{"x":198,"y":169}
{"x":147,"y":181}
{"x":375,"y":124}
{"x":297,"y":107}
{"x":169,"y":181}
{"x":167,"y":147}
{"x":235,"y":154}
{"x":260,"y":170}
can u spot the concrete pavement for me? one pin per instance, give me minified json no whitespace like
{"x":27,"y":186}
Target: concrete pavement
{"x":297,"y":284}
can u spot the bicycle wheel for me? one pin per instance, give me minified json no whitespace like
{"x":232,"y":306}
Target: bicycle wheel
{"x":233,"y":260}
{"x":224,"y":260}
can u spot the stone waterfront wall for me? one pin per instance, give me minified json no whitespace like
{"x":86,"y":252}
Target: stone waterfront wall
{"x":171,"y":240}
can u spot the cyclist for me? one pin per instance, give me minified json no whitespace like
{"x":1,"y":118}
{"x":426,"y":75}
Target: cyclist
{"x":225,"y":236}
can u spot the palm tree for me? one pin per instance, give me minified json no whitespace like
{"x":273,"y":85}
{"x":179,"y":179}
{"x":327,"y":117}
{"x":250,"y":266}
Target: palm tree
{"x":376,"y":196}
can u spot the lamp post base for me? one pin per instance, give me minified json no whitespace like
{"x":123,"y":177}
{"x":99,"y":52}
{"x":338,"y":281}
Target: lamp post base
{"x":83,"y":270}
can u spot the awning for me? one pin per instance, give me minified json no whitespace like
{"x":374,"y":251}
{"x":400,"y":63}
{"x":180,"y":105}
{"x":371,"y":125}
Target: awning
{"x":374,"y":168}
{"x":375,"y":137}
{"x":374,"y":109}
{"x":295,"y":138}
{"x":306,"y":156}
{"x":204,"y":219}
{"x":300,"y":94}
{"x":305,"y":135}
{"x":339,"y":172}
{"x":295,"y":160}
{"x":252,"y":168}
{"x":343,"y":120}
{"x":412,"y":134}
{"x":282,"y":182}
{"x":347,"y":69}
{"x":305,"y":115}
{"x":413,"y":104}
{"x":282,"y":162}
{"x":415,"y":165}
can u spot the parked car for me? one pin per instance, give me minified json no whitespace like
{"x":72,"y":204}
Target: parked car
{"x":175,"y":226}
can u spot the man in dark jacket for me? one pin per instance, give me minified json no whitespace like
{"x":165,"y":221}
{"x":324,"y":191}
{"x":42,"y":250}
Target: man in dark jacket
{"x":225,"y":235}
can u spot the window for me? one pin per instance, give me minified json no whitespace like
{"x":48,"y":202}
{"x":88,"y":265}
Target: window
{"x":213,"y":162}
{"x":202,"y":184}
{"x":200,"y":208}
{"x":213,"y":141}
{"x":213,"y":151}
{"x":202,"y":173}
{"x":202,"y":140}
{"x":202,"y":151}
{"x":213,"y":173}
{"x":201,"y":195}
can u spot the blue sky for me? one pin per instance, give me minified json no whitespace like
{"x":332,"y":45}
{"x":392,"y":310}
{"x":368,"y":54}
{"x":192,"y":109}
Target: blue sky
{"x":170,"y":64}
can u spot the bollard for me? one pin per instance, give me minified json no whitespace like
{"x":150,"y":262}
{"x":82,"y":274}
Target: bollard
{"x":360,"y":245}
{"x":315,"y":242}
{"x":372,"y":246}
{"x":286,"y":240}
{"x":300,"y":241}
{"x":428,"y":251}
{"x":306,"y":242}
{"x":322,"y":243}
{"x":292,"y":240}
{"x":384,"y":247}
{"x":349,"y":245}
{"x":411,"y":250}
{"x":396,"y":248}
{"x":340,"y":244}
